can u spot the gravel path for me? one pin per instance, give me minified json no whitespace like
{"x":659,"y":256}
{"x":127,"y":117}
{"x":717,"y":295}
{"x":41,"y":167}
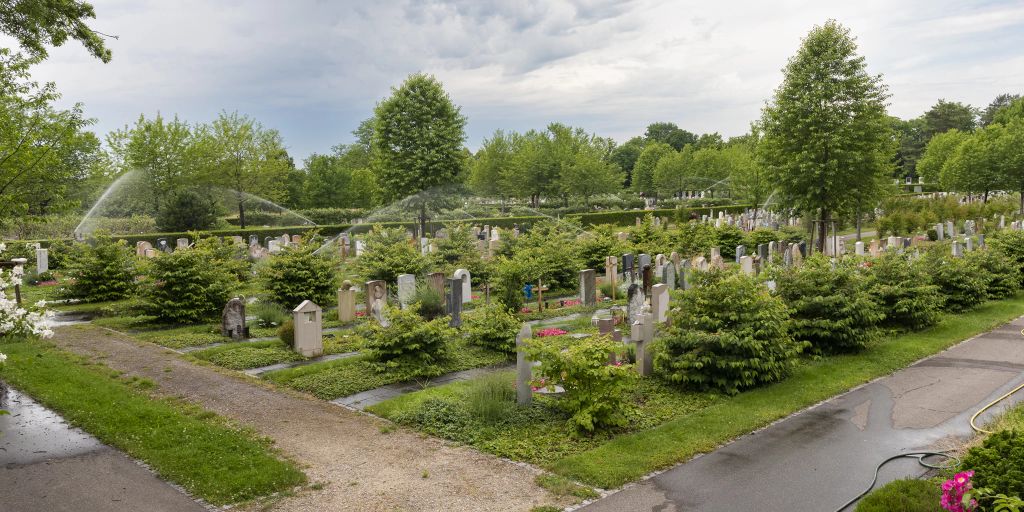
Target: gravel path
{"x":360,"y":467}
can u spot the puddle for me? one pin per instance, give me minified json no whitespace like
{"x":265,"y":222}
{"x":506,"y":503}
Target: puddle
{"x":33,"y":433}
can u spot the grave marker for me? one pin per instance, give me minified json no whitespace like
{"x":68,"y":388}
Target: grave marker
{"x":309,"y":340}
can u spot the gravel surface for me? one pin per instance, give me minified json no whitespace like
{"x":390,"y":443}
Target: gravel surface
{"x":360,"y":467}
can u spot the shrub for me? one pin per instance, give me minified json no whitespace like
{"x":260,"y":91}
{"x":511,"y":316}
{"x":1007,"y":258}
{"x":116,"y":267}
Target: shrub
{"x":187,"y":210}
{"x":491,"y":398}
{"x":187,"y":285}
{"x":728,"y":335}
{"x":728,"y":237}
{"x":962,"y":283}
{"x":510,"y":277}
{"x":297,"y":274}
{"x":430,"y":302}
{"x":907,"y":495}
{"x":695,"y":238}
{"x":234,"y":257}
{"x":104,"y":270}
{"x":268,"y":314}
{"x":492,"y":326}
{"x":650,"y":239}
{"x":287,"y":332}
{"x":905,"y":291}
{"x":1010,"y":244}
{"x":408,"y":343}
{"x":999,"y":462}
{"x":761,"y":236}
{"x":831,"y":306}
{"x":595,"y":391}
{"x":1004,"y":277}
{"x":388,"y":253}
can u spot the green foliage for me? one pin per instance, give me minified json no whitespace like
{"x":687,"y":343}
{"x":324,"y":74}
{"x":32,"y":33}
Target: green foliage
{"x":830,"y":304}
{"x":429,"y":301}
{"x":904,"y":290}
{"x":187,"y":210}
{"x":905,"y":495}
{"x":1004,"y":277}
{"x":695,"y":238}
{"x":510,"y":278}
{"x":491,"y":398}
{"x":728,"y":238}
{"x":268,"y":314}
{"x":249,"y":355}
{"x":963,"y":283}
{"x":729,"y":334}
{"x":492,"y":326}
{"x":287,"y":332}
{"x":388,"y":253}
{"x":761,"y":236}
{"x":547,"y":252}
{"x":643,"y":170}
{"x":597,"y":244}
{"x":595,"y":391}
{"x":101,"y":271}
{"x":37,"y":25}
{"x":999,"y":462}
{"x":297,"y":274}
{"x":408,"y":343}
{"x":187,"y":285}
{"x":233,"y":257}
{"x":1011,"y":245}
{"x":650,"y":239}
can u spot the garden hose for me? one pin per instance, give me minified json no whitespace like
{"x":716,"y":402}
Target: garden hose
{"x":990,"y":404}
{"x":920,"y":456}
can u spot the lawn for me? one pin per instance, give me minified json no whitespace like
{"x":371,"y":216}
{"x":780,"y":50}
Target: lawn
{"x":194,"y":448}
{"x":683,"y":432}
{"x":242,"y":356}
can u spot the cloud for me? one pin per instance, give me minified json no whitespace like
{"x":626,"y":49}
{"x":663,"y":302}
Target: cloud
{"x":313,"y":69}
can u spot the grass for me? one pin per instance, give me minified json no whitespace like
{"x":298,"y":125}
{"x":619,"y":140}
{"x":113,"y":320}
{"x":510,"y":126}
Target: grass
{"x":671,"y":426}
{"x":185,"y":444}
{"x":561,"y":486}
{"x":242,"y":356}
{"x":906,"y":495}
{"x":344,"y":377}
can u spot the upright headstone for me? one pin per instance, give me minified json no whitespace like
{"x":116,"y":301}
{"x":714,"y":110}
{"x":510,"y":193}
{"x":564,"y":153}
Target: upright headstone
{"x":939,"y":232}
{"x":181,"y":243}
{"x":796,"y":255}
{"x":346,"y":302}
{"x":858,"y":248}
{"x":274,"y":246}
{"x":308,"y":321}
{"x":762,"y":252}
{"x":142,"y":247}
{"x":747,"y":265}
{"x":668,"y":276}
{"x":588,"y":287}
{"x":232,"y":320}
{"x":741,"y":251}
{"x":524,"y":367}
{"x":42,"y":260}
{"x":360,"y":247}
{"x":648,"y":279}
{"x":406,"y":289}
{"x":968,"y":243}
{"x":628,"y":262}
{"x":642,"y":335}
{"x":635,"y":301}
{"x":659,"y":302}
{"x":684,"y":275}
{"x":950,"y":229}
{"x":643,"y":260}
{"x":957,"y":250}
{"x":376,"y":299}
{"x":453,"y":302}
{"x":466,"y":282}
{"x":981,"y":240}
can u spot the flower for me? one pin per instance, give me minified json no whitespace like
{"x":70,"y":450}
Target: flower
{"x":551,"y":331}
{"x":41,"y":304}
{"x":3,"y":357}
{"x":953,"y":491}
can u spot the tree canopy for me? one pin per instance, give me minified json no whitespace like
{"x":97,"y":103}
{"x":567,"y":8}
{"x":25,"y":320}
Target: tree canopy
{"x":37,"y":24}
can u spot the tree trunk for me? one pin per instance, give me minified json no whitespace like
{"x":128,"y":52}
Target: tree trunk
{"x":423,"y":219}
{"x":822,"y":231}
{"x":985,"y":200}
{"x":1022,"y":201}
{"x":241,"y":213}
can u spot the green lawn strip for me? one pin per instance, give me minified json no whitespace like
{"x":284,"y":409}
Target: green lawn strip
{"x":631,"y":456}
{"x":101,"y":309}
{"x":182,"y":443}
{"x":344,"y":377}
{"x":242,"y":356}
{"x":183,"y":336}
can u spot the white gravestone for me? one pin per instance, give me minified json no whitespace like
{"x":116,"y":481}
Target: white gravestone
{"x":465,"y":278}
{"x":308,"y":321}
{"x":406,"y":289}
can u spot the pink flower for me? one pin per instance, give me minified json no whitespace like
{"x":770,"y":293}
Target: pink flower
{"x":953,"y":491}
{"x":550,"y":331}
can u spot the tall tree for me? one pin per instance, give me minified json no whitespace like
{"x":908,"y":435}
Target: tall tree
{"x":1010,"y":151}
{"x":749,"y":181}
{"x":417,"y":141}
{"x":643,"y":171}
{"x":946,"y":115}
{"x":1002,"y":101}
{"x":626,"y":155}
{"x":937,"y":153}
{"x":1009,"y":113}
{"x":671,"y":173}
{"x":826,"y":132}
{"x":911,"y":139}
{"x":669,"y":133}
{"x":493,"y":165}
{"x":975,"y":165}
{"x":588,"y":175}
{"x":37,"y":24}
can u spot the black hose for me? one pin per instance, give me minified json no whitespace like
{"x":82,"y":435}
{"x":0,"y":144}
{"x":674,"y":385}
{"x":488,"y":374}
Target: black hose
{"x":920,"y":460}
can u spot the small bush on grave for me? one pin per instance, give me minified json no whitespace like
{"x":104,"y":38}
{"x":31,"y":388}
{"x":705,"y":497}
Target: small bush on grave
{"x":905,"y":291}
{"x":492,"y":326}
{"x":188,"y":210}
{"x":491,"y":398}
{"x":297,"y":274}
{"x":728,"y":237}
{"x":830,"y":305}
{"x":430,"y":302}
{"x":287,"y":332}
{"x":695,"y":238}
{"x":187,"y":285}
{"x":408,"y":343}
{"x":963,"y":284}
{"x":510,"y":276}
{"x":1004,"y":278}
{"x":999,"y":462}
{"x":104,"y":270}
{"x":1010,"y":244}
{"x":456,"y":250}
{"x":597,"y":244}
{"x":761,"y":236}
{"x":906,"y":495}
{"x":233,"y":257}
{"x":388,"y":253}
{"x":268,"y":314}
{"x":728,"y":334}
{"x":596,"y":392}
{"x":650,"y":239}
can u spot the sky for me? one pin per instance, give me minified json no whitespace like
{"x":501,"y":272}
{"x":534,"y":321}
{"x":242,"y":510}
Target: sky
{"x":314,"y":69}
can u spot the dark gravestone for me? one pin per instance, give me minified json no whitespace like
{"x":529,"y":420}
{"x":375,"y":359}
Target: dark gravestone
{"x":454,"y":302}
{"x":232,"y":320}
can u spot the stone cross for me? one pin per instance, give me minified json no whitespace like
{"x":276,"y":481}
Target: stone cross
{"x":376,"y":299}
{"x":308,"y":321}
{"x":232,"y":320}
{"x":466,"y":282}
{"x":642,"y":334}
{"x":346,"y":302}
{"x":524,"y":367}
{"x":453,"y":302}
{"x":406,"y":289}
{"x":588,"y":287}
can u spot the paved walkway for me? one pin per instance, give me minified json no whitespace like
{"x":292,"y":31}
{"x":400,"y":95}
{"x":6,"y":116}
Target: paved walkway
{"x":818,"y":459}
{"x":49,"y":466}
{"x":361,"y":465}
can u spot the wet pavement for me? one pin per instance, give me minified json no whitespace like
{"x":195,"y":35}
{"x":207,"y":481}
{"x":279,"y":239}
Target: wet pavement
{"x":47,"y":465}
{"x":818,"y":459}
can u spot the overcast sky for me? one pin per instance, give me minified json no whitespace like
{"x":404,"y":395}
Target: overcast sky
{"x":314,"y":69}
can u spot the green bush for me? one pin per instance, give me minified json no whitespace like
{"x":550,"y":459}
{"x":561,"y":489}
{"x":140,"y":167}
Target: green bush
{"x":234,"y":257}
{"x":1010,"y":244}
{"x":491,"y":398}
{"x":999,"y":462}
{"x":510,"y":278}
{"x":596,"y":392}
{"x":830,"y":305}
{"x":268,"y":314}
{"x":962,"y":282}
{"x":695,"y":238}
{"x":187,"y":210}
{"x":297,"y":274}
{"x":1004,"y":277}
{"x":388,"y":253}
{"x":729,"y":334}
{"x":408,"y":343}
{"x":287,"y":332}
{"x":492,"y":326}
{"x":905,"y":291}
{"x":650,"y":239}
{"x":906,"y":495}
{"x":102,"y":271}
{"x":430,"y":302}
{"x":187,"y":285}
{"x":761,"y":236}
{"x":728,"y":237}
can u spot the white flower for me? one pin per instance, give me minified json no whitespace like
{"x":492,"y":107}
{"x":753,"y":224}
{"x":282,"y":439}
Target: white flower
{"x":3,"y":357}
{"x":41,"y":304}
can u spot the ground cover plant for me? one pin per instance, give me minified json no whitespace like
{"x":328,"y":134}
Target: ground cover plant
{"x":254,"y":354}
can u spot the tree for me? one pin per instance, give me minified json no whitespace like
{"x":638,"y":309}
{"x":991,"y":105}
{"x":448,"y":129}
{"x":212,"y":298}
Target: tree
{"x":1010,"y":152}
{"x":588,"y":176}
{"x":946,"y":115}
{"x":710,"y":170}
{"x":671,"y":172}
{"x":669,"y":133}
{"x":188,"y":209}
{"x":911,"y":139}
{"x":975,"y":165}
{"x":417,"y":140}
{"x":327,"y":182}
{"x":937,"y":153}
{"x":493,"y":164}
{"x":749,"y":181}
{"x":39,"y":23}
{"x":1002,"y":101}
{"x":165,"y":152}
{"x":1012,"y":111}
{"x":245,"y":158}
{"x":643,"y":171}
{"x":826,"y":133}
{"x":626,"y":155}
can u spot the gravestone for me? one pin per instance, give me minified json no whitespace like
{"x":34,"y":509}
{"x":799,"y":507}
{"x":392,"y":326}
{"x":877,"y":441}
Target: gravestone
{"x":684,"y":275}
{"x":762,"y":252}
{"x":181,"y":243}
{"x":648,"y":279}
{"x":253,"y":240}
{"x":643,"y":260}
{"x":628,"y":261}
{"x":162,"y":245}
{"x":406,"y":289}
{"x":611,"y":271}
{"x":747,"y":265}
{"x":346,"y":302}
{"x":466,"y":282}
{"x":950,"y":229}
{"x":296,"y":239}
{"x":968,"y":243}
{"x":741,"y":251}
{"x":642,"y":335}
{"x":957,"y":250}
{"x":588,"y":287}
{"x":659,"y":263}
{"x":676,"y":259}
{"x":773,"y":248}
{"x":716,"y":252}
{"x":524,"y":367}
{"x":659,"y":302}
{"x":151,"y":253}
{"x":700,"y":264}
{"x":232,"y":320}
{"x":376,"y":299}
{"x":360,"y":247}
{"x":858,"y":248}
{"x":453,"y":302}
{"x":635,"y":300}
{"x":981,"y":240}
{"x":274,"y":246}
{"x":142,"y":247}
{"x":939,"y":232}
{"x":436,"y":281}
{"x":796,"y":255}
{"x":42,"y":260}
{"x":237,"y":240}
{"x":308,"y":321}
{"x":668,"y":276}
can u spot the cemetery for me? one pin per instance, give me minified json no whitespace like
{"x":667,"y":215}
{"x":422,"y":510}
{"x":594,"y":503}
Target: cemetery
{"x":408,"y":323}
